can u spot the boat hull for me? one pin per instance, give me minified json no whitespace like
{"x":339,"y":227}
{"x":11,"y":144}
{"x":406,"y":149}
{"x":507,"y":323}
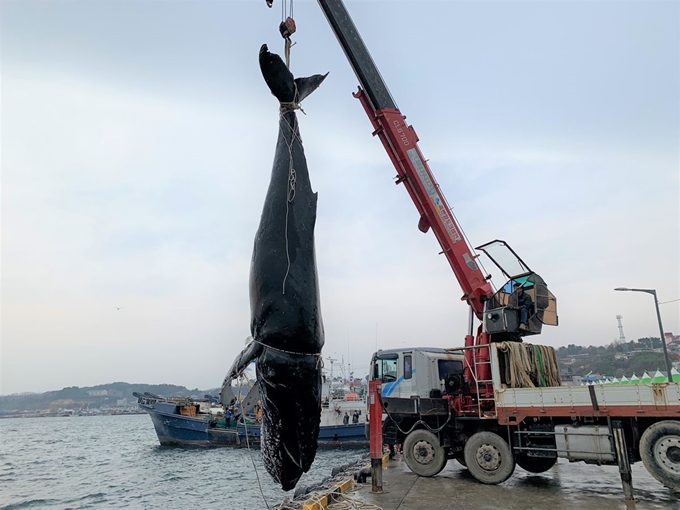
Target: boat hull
{"x":173,"y":429}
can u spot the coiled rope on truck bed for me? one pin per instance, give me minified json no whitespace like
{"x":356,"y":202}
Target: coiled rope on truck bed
{"x":551,"y":369}
{"x":529,"y":366}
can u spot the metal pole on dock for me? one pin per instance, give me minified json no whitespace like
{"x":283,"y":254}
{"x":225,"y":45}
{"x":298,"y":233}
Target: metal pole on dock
{"x":624,"y":462}
{"x":669,"y":365}
{"x":375,"y":410}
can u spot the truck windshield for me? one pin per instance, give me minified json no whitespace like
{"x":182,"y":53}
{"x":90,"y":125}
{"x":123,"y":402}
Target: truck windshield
{"x":386,"y":369}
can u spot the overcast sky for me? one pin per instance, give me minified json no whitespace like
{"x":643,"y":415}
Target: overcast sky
{"x":138,"y":138}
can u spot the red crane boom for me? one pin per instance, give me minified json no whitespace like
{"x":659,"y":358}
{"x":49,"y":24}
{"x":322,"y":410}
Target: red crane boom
{"x":499,"y":316}
{"x":401,"y":143}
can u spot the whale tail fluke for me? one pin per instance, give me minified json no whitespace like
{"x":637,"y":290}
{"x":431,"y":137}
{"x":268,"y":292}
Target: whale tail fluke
{"x":280,"y":80}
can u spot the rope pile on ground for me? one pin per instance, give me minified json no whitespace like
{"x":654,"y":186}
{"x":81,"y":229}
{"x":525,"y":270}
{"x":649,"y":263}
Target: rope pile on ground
{"x":528,"y":366}
{"x":316,"y":492}
{"x":348,"y":502}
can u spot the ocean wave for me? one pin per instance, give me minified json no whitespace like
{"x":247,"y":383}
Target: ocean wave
{"x":115,"y":463}
{"x":29,"y":503}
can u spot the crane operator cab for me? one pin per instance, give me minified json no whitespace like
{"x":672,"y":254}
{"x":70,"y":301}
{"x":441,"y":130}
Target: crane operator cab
{"x":524,"y":304}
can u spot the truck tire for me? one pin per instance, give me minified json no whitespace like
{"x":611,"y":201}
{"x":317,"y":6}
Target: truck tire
{"x":660,"y":452}
{"x":461,"y":461}
{"x":489,"y":458}
{"x":423,"y":453}
{"x":535,"y":464}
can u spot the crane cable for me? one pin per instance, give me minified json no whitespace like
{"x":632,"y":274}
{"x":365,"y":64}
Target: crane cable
{"x":286,"y":27}
{"x":285,"y":12}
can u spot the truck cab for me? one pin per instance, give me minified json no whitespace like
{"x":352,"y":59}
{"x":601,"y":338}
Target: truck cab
{"x":434,"y":367}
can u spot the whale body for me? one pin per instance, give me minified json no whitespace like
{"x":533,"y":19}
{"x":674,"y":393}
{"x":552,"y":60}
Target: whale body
{"x":286,"y":325}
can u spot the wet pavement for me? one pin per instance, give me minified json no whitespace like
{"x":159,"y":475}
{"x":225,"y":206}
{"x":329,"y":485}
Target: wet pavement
{"x":566,"y":486}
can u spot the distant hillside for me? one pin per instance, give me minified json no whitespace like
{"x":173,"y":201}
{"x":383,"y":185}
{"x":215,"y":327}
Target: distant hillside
{"x":606,"y":364}
{"x":616,"y":360}
{"x":91,"y":396}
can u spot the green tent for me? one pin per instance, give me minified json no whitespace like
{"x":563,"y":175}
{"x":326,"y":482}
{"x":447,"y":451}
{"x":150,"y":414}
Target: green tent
{"x":634,"y":379}
{"x":659,"y":378}
{"x":646,"y":378}
{"x":675,"y":375}
{"x":624,"y":380}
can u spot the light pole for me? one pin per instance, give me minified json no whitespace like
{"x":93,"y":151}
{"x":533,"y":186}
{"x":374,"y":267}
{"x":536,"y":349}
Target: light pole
{"x":669,"y":367}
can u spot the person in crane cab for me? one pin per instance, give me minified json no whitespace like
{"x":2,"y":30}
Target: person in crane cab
{"x":525,"y":304}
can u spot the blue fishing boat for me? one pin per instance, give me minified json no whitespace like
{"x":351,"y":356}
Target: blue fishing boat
{"x":205,"y":422}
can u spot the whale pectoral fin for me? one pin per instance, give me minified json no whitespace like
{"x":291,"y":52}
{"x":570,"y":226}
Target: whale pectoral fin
{"x":305,"y":86}
{"x":251,"y":351}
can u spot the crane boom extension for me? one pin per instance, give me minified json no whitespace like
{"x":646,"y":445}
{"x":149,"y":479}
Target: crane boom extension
{"x":401,"y":143}
{"x":359,"y":58}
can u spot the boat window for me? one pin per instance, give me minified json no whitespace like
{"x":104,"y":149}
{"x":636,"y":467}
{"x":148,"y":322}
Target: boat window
{"x":386,"y":370}
{"x":449,"y":366}
{"x":407,"y":367}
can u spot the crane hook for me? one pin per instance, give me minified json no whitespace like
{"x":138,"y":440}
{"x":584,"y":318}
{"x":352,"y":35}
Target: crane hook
{"x":287,"y":28}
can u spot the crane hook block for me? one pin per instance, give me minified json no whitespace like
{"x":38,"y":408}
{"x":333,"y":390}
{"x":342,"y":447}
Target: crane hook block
{"x":270,"y":3}
{"x":287,"y":28}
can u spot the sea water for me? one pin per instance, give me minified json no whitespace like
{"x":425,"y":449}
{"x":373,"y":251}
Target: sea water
{"x":117,"y":462}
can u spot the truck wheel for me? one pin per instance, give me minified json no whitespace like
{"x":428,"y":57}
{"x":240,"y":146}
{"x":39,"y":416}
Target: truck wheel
{"x":423,"y":453}
{"x":461,"y":461}
{"x":660,"y":452}
{"x":489,"y":458}
{"x":535,"y":464}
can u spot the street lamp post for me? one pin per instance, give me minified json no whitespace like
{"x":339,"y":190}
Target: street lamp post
{"x":669,"y":367}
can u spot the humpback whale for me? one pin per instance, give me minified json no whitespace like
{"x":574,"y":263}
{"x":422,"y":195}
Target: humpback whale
{"x":286,"y":326}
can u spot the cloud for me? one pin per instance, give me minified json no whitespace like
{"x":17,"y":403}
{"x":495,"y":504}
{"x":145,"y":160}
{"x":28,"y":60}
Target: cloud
{"x":135,"y":163}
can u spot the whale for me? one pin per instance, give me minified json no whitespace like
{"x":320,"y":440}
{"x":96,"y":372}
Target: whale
{"x":286,"y":325}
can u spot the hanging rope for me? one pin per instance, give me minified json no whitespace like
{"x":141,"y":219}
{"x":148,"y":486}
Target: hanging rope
{"x":287,"y":47}
{"x":292,"y":176}
{"x":250,"y":453}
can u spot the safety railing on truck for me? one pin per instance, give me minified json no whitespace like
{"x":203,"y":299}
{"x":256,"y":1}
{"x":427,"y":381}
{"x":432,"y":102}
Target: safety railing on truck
{"x":523,"y":366}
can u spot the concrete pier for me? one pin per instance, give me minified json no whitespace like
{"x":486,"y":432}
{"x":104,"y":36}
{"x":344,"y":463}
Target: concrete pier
{"x":564,"y":487}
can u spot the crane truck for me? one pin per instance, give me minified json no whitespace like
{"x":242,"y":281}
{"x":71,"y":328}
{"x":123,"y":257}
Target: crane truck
{"x":496,"y":401}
